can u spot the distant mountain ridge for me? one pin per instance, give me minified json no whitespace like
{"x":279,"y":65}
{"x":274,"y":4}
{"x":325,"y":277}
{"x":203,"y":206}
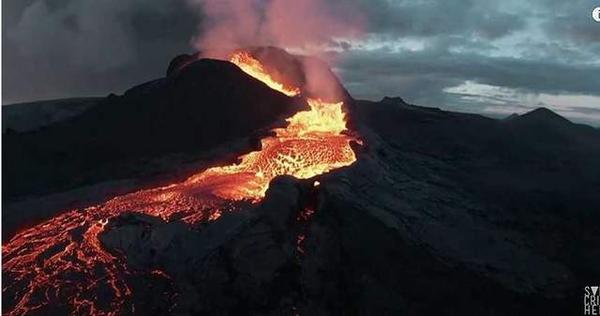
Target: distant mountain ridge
{"x":28,"y":116}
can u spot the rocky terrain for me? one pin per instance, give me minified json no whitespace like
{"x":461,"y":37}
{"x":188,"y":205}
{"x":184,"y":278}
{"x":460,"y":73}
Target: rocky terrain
{"x":443,"y":213}
{"x":189,"y":112}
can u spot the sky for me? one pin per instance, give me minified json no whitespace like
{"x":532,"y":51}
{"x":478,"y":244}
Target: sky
{"x":489,"y":57}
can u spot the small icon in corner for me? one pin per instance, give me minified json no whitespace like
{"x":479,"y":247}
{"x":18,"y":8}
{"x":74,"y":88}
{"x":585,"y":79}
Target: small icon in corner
{"x":596,"y":14}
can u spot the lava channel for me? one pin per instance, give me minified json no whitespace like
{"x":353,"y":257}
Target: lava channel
{"x":61,"y":262}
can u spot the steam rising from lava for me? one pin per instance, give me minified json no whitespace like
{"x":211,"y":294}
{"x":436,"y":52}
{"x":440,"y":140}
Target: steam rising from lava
{"x":308,"y":24}
{"x":61,"y":262}
{"x":313,"y":27}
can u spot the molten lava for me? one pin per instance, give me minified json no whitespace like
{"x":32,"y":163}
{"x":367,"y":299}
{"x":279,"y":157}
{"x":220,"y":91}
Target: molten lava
{"x":61,"y":262}
{"x":255,"y":68}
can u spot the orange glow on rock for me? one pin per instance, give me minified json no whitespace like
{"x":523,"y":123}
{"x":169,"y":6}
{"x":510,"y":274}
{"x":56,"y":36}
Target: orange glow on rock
{"x":312,"y":144}
{"x":254,"y":68}
{"x":63,"y":260}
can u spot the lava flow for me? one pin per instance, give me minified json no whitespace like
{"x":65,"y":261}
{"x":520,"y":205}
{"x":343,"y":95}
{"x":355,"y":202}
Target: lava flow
{"x":61,"y":263}
{"x":254,"y":68}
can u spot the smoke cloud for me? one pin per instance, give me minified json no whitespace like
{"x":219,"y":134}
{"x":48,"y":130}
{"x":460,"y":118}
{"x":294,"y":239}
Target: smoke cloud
{"x":310,"y":26}
{"x":72,"y":48}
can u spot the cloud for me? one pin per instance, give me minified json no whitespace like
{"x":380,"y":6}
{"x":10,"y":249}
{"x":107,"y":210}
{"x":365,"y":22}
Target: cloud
{"x":86,"y":47}
{"x":289,"y":24}
{"x":533,"y":75}
{"x":420,"y":49}
{"x":487,"y":19}
{"x":413,"y":48}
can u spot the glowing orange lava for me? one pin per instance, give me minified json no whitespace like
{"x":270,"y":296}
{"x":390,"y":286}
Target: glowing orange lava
{"x":62,"y":261}
{"x":255,"y":68}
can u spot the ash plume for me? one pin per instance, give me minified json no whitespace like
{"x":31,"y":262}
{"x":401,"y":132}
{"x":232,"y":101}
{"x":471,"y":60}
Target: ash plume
{"x":312,"y":27}
{"x":309,"y":25}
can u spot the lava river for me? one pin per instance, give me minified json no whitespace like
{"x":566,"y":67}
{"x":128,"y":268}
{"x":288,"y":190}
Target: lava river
{"x":62,"y":262}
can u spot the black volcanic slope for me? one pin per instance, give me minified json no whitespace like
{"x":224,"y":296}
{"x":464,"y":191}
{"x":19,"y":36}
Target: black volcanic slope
{"x":206,"y":103}
{"x":443,"y":213}
{"x":22,"y":117}
{"x":292,"y":70}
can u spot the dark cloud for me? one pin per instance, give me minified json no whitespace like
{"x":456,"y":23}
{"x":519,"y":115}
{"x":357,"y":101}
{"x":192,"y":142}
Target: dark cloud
{"x":574,"y":24}
{"x":440,"y":18}
{"x":543,"y":76}
{"x":534,"y":47}
{"x":84,"y":47}
{"x":586,"y":110}
{"x":413,"y":48}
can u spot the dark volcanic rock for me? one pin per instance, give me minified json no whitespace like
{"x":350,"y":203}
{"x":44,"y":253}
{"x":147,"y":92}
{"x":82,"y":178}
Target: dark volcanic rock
{"x":443,"y":213}
{"x":23,"y":117}
{"x":312,"y":75}
{"x":504,"y":216}
{"x":245,"y":262}
{"x":206,"y":103}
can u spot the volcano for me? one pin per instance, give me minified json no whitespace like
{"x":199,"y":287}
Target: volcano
{"x":260,"y":190}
